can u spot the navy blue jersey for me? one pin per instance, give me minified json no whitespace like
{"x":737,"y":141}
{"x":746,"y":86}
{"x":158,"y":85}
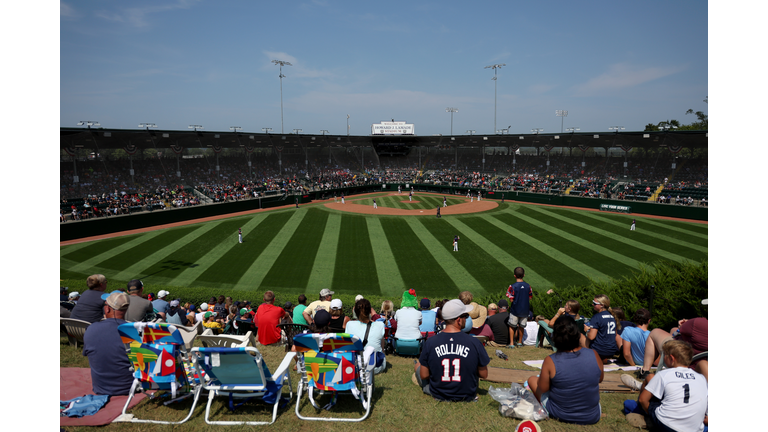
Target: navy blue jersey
{"x":605,"y":341}
{"x":453,"y":359}
{"x":519,"y":294}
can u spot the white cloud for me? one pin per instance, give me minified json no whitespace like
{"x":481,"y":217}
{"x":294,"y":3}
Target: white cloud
{"x":67,"y":11}
{"x":621,"y":76}
{"x":138,"y":17}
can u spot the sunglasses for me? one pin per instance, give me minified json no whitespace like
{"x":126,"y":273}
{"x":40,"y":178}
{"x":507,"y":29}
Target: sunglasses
{"x":596,"y":303}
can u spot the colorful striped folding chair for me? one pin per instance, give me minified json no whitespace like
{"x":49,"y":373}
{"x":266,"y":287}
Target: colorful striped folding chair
{"x":160,"y":362}
{"x":331,"y":362}
{"x":240,"y":373}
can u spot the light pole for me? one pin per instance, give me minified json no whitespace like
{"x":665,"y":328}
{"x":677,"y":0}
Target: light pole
{"x":616,"y":128}
{"x":471,"y":132}
{"x":323,"y":131}
{"x":266,"y":130}
{"x":147,"y":125}
{"x":297,"y":131}
{"x":537,"y":130}
{"x":281,"y":64}
{"x":88,"y":123}
{"x":452,"y":110}
{"x":347,"y":124}
{"x":572,"y":130}
{"x":561,"y":114}
{"x":195,"y":127}
{"x":495,"y":68}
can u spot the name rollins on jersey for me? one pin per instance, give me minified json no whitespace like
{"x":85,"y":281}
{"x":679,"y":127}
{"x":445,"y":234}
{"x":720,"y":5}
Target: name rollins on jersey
{"x":447,"y":349}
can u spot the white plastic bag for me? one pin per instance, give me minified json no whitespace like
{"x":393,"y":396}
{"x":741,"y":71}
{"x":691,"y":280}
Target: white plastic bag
{"x":517,"y":402}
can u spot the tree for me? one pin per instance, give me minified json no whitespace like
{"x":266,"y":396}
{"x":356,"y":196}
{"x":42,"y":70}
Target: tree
{"x":701,"y":123}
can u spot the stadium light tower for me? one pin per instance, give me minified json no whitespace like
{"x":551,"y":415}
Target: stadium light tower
{"x":561,"y":114}
{"x":281,"y":63}
{"x":323,"y":131}
{"x":495,"y":68}
{"x":195,"y":127}
{"x":235,"y":128}
{"x":266,"y":130}
{"x":147,"y":125}
{"x":616,"y":128}
{"x":537,"y":130}
{"x":471,"y":131}
{"x":347,"y":124}
{"x":452,"y":110}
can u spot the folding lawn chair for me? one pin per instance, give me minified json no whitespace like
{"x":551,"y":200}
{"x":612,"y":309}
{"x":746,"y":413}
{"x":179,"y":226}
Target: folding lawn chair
{"x":158,"y":356}
{"x":75,"y":329}
{"x":407,"y":347}
{"x":291,"y":330}
{"x":240,"y":373}
{"x":545,"y":332}
{"x":333,"y":362}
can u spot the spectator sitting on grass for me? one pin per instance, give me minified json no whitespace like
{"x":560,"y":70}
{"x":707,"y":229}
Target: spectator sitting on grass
{"x":324,"y":302}
{"x":428,"y":319}
{"x":90,"y":307}
{"x":102,"y":344}
{"x":568,"y":386}
{"x":191,"y":312}
{"x":200,"y":314}
{"x":140,"y":309}
{"x":672,"y":399}
{"x":176,"y":315}
{"x":493,"y":308}
{"x":364,"y":326}
{"x":161,"y":305}
{"x":633,"y":338}
{"x":502,"y":332}
{"x":478,"y":316}
{"x":408,"y":318}
{"x":338,"y":319}
{"x":269,"y":317}
{"x":298,"y":311}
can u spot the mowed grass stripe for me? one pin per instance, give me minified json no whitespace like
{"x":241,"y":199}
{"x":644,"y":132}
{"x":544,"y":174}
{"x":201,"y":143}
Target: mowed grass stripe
{"x":158,"y":259}
{"x":104,"y":250}
{"x":323,"y":268}
{"x":213,"y":248}
{"x":355,"y":270}
{"x":677,"y":245}
{"x":81,"y":251}
{"x":689,"y":231}
{"x":292,"y":266}
{"x":643,"y":251}
{"x":230,"y":267}
{"x":496,"y":243}
{"x":189,"y":255}
{"x":418,"y":268}
{"x":388,"y":274}
{"x":661,"y":229}
{"x":129,"y":258}
{"x":569,"y":251}
{"x":484,"y":267}
{"x":446,"y":258}
{"x":602,"y":245}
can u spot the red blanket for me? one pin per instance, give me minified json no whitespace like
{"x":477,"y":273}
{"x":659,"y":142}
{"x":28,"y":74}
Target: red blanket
{"x":74,"y":382}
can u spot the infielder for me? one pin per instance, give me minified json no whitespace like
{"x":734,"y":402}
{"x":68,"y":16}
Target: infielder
{"x":455,"y":243}
{"x":342,"y":198}
{"x":398,"y":189}
{"x":445,"y":203}
{"x":479,"y":195}
{"x":410,"y":196}
{"x":374,"y":203}
{"x":240,"y":235}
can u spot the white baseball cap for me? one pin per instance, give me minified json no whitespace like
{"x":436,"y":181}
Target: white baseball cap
{"x":335,"y":304}
{"x":204,"y":307}
{"x":454,"y":309}
{"x":74,"y":294}
{"x":162,"y":293}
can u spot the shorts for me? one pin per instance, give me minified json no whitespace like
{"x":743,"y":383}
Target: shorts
{"x":654,"y":404}
{"x":515,"y":321}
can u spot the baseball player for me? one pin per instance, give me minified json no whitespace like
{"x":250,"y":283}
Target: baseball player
{"x":632,"y":228}
{"x":342,"y":198}
{"x":438,"y":212}
{"x":455,"y":243}
{"x":374,"y":203}
{"x":445,"y":203}
{"x":240,"y":235}
{"x":410,"y":196}
{"x":398,"y":189}
{"x":479,"y":195}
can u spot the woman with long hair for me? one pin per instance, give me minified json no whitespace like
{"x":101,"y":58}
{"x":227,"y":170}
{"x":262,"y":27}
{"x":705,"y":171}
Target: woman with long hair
{"x":602,"y":329}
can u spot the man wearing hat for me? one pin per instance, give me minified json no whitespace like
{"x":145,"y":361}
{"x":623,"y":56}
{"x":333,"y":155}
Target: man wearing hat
{"x":63,"y":296}
{"x":176,"y":314}
{"x":160,"y":305}
{"x":110,"y":366}
{"x":323,"y":303}
{"x":139,"y":309}
{"x":502,"y":332}
{"x":428,"y":318}
{"x":452,"y":362}
{"x":90,"y":307}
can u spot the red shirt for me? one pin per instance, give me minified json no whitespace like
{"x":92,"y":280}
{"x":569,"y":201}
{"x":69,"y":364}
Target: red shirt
{"x":269,"y":317}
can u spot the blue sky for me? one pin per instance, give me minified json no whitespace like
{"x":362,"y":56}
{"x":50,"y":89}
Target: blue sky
{"x":178,"y":63}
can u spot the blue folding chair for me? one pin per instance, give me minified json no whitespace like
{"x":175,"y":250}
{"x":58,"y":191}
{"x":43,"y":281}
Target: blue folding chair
{"x":408,"y":347}
{"x":240,"y":373}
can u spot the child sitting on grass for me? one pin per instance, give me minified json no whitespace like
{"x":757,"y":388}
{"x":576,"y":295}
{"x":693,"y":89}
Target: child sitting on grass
{"x":673,"y":399}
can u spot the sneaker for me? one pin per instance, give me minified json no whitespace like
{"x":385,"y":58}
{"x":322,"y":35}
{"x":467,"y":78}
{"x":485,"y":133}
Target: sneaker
{"x":641,"y":374}
{"x":631,"y":382}
{"x":637,"y":420}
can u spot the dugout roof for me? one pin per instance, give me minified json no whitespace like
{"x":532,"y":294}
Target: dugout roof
{"x":83,"y":137}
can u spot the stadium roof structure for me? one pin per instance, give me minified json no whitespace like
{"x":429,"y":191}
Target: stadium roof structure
{"x":150,"y":138}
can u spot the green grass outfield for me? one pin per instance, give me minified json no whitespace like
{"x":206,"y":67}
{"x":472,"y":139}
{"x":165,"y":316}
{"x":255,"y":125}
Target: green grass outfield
{"x":304,"y":250}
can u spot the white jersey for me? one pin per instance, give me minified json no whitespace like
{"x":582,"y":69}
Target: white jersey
{"x":684,"y":398}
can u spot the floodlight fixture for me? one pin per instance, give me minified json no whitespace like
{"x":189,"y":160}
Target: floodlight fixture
{"x":297,"y":131}
{"x":147,"y":125}
{"x":267,"y":130}
{"x":537,"y":130}
{"x":471,"y":131}
{"x":235,"y":128}
{"x":281,"y":63}
{"x":195,"y":127}
{"x":616,"y":128}
{"x":323,"y":131}
{"x":88,"y":123}
{"x":572,"y":129}
{"x":495,"y":68}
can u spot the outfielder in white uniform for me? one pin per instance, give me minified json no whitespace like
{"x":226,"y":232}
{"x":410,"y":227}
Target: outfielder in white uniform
{"x":632,"y":228}
{"x":456,"y":243}
{"x":240,"y":235}
{"x":374,"y":203}
{"x":445,"y":203}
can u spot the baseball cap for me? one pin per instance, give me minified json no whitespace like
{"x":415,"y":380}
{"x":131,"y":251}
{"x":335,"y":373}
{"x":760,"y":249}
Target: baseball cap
{"x":503,"y":303}
{"x":209,"y":314}
{"x":118,"y":300}
{"x":106,"y":295}
{"x":74,"y":294}
{"x":322,"y":318}
{"x":358,"y":298}
{"x":162,"y":293}
{"x":336,"y":304}
{"x":455,"y":308}
{"x":424,"y":303}
{"x":174,"y":303}
{"x":326,"y":292}
{"x":135,"y":285}
{"x":288,"y":305}
{"x":243,"y":311}
{"x":204,"y":307}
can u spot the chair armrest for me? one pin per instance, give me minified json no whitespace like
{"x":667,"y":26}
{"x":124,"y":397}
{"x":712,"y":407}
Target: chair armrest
{"x":284,"y":365}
